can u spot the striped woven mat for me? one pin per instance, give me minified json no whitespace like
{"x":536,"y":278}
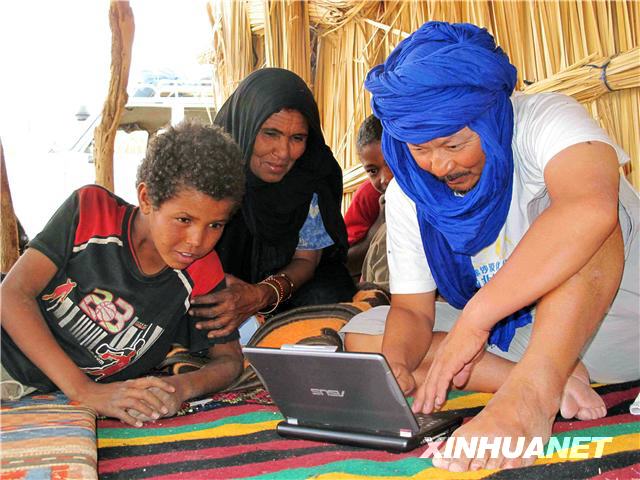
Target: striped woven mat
{"x":44,"y":437}
{"x":234,"y":437}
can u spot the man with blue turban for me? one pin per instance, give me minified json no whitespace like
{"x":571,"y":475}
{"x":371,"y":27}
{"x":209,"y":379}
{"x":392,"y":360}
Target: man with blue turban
{"x":513,"y":208}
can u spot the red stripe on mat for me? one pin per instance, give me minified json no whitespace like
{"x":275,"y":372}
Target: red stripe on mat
{"x":223,"y":411}
{"x":195,"y":418}
{"x":631,"y":472}
{"x":119,"y":464}
{"x":313,"y":460}
{"x":559,"y":427}
{"x":615,"y":398}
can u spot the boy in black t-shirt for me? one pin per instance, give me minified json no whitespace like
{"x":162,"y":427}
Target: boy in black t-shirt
{"x":102,"y":292}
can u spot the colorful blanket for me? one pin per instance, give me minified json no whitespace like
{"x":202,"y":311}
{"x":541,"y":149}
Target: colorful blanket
{"x":44,"y":437}
{"x":233,"y":437}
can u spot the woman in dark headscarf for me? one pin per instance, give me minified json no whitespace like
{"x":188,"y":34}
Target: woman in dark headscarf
{"x":288,"y":242}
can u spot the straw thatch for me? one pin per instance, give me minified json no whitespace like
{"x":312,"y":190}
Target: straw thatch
{"x":552,"y":43}
{"x":593,"y":77}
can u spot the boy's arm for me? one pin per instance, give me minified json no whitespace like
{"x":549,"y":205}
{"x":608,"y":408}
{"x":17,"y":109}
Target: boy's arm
{"x":356,"y":254}
{"x":358,"y":251}
{"x":22,"y":320}
{"x":362,"y":212}
{"x":223,"y":368}
{"x":407,"y":335}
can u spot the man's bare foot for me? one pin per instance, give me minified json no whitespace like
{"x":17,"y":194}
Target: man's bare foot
{"x":518,"y":409}
{"x":579,"y":400}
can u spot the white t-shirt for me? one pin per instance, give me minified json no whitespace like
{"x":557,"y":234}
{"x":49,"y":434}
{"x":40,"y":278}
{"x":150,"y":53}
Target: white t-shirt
{"x":544,"y":125}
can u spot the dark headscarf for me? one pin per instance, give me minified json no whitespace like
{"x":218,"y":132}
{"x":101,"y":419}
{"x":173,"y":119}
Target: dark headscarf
{"x":263,"y":236}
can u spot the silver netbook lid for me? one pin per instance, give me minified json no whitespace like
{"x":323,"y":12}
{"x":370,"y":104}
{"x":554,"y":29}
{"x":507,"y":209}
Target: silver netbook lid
{"x":348,"y":391}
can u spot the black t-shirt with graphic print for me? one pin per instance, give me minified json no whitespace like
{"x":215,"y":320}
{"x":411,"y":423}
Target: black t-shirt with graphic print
{"x":113,"y":321}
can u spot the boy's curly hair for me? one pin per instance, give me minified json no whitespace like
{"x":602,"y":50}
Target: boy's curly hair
{"x":194,"y":155}
{"x":370,"y":131}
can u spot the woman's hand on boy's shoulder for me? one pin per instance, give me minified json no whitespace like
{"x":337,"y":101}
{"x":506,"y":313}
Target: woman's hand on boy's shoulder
{"x":224,"y":311}
{"x":119,"y":398}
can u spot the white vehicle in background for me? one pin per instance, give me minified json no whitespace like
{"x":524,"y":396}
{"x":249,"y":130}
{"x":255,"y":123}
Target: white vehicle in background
{"x":154,"y":102}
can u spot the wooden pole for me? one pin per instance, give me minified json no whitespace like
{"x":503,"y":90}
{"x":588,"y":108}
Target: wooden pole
{"x":122,"y":30}
{"x":9,"y":252}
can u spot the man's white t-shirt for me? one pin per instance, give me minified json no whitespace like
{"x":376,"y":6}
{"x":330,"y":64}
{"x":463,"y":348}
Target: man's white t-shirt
{"x":544,"y":125}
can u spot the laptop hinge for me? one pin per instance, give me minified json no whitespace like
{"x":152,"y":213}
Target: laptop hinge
{"x":406,"y":433}
{"x":292,"y":421}
{"x":309,"y":348}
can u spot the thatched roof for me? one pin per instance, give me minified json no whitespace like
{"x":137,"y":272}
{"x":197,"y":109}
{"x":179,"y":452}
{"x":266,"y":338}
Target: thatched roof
{"x":332,"y":44}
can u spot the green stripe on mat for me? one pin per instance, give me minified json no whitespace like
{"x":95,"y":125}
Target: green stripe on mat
{"x":614,"y":430}
{"x":405,"y":467}
{"x":247,"y":418}
{"x":451,"y":395}
{"x":412,"y":466}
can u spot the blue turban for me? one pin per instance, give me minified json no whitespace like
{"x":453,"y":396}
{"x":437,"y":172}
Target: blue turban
{"x":445,"y":77}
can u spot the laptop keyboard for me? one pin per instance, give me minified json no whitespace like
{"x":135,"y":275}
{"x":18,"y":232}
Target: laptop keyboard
{"x":426,"y":421}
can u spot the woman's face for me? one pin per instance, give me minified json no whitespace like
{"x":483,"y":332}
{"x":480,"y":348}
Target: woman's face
{"x":281,"y":140}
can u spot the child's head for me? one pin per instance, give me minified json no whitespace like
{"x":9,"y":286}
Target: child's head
{"x":189,"y":184}
{"x":202,"y":157}
{"x":369,"y":151}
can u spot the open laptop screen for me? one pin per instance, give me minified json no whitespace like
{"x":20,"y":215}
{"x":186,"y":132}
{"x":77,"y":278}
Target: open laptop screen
{"x":334,"y":390}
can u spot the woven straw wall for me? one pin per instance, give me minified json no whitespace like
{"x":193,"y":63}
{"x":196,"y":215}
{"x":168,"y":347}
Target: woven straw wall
{"x":332,"y":44}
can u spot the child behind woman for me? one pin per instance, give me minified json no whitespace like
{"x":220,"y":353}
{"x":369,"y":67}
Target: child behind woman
{"x":364,"y":219}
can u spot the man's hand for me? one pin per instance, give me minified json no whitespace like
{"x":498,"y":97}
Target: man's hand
{"x":453,"y":362}
{"x":116,"y":399}
{"x":224,"y":311}
{"x":404,"y":378}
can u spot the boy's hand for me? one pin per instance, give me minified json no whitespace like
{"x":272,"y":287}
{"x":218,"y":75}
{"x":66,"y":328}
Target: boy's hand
{"x":115,"y":399}
{"x":452,"y":362}
{"x":380,"y":219}
{"x":172,"y":401}
{"x":224,"y":311}
{"x":382,"y":202}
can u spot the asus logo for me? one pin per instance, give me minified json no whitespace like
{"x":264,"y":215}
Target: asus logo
{"x":328,"y":393}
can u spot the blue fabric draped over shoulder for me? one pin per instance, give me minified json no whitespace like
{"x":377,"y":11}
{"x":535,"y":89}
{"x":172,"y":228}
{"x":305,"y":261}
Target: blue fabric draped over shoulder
{"x":442,"y":78}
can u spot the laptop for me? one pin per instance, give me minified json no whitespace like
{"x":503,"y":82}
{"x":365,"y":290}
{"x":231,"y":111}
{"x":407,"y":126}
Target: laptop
{"x":343,"y":397}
